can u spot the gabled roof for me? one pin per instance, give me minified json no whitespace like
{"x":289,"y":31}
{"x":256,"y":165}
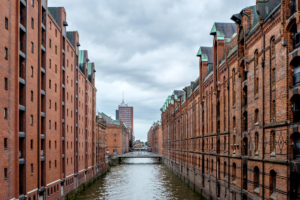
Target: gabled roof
{"x":223,"y":30}
{"x":206,"y":53}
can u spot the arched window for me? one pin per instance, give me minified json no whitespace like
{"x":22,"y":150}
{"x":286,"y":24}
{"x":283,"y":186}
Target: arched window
{"x":272,"y":184}
{"x":256,"y":142}
{"x":234,"y":173}
{"x":256,"y":178}
{"x":256,"y":116}
{"x":296,"y":65}
{"x":272,"y":45}
{"x":256,"y":58}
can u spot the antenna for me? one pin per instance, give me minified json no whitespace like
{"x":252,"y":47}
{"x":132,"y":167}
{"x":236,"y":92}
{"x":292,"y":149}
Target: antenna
{"x":123,"y":98}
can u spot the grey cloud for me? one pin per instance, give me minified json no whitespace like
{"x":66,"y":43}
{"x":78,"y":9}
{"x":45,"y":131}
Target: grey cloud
{"x":146,"y":48}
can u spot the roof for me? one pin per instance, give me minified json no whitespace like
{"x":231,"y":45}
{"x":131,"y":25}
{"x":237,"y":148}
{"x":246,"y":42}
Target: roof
{"x":109,"y":120}
{"x":223,"y":30}
{"x":206,"y":53}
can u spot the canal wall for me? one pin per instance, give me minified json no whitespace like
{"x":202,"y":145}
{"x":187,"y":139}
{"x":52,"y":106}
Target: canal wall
{"x":102,"y":169}
{"x":193,"y":178}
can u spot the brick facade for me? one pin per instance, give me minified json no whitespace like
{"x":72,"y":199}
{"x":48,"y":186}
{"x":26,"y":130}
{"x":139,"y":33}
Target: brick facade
{"x":155,"y":138}
{"x":49,"y":130}
{"x":234,"y":132}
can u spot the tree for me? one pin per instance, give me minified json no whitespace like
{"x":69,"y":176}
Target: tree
{"x":146,"y":143}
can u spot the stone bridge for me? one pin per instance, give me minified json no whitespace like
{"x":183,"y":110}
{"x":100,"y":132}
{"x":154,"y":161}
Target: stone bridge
{"x":139,"y":154}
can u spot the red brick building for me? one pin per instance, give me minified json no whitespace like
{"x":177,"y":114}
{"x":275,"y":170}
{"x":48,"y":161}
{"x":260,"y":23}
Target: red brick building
{"x":155,"y":138}
{"x":125,"y":114}
{"x":234,"y":133}
{"x":48,"y":100}
{"x":117,"y":136}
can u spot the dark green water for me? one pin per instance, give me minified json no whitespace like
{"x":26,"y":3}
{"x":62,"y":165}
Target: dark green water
{"x":139,"y":179}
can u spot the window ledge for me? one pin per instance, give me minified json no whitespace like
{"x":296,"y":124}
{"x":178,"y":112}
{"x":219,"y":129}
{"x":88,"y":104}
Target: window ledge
{"x":256,"y":97}
{"x":273,"y":196}
{"x":234,"y":182}
{"x":256,"y":190}
{"x":256,"y":124}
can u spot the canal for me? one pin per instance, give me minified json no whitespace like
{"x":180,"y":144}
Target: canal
{"x":139,"y":179}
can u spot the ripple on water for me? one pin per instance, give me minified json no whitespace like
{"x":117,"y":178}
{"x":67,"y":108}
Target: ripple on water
{"x":139,"y":180}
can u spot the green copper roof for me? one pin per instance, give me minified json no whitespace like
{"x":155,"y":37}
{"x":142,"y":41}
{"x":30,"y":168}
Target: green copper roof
{"x":203,"y":55}
{"x":81,"y":60}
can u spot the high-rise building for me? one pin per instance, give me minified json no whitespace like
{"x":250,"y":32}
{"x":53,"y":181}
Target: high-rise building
{"x":48,"y":98}
{"x":125,"y":114}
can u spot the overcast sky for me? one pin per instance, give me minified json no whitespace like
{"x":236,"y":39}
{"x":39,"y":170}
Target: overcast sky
{"x":146,"y":48}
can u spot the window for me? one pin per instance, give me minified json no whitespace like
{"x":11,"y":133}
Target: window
{"x":31,"y":144}
{"x":50,"y":63}
{"x":6,"y":53}
{"x":5,"y":143}
{"x":274,"y":110}
{"x":31,"y":71}
{"x":50,"y":25}
{"x":55,"y":106}
{"x":55,"y":49}
{"x":31,"y":120}
{"x":55,"y":166}
{"x":55,"y":68}
{"x":31,"y":168}
{"x":6,"y":23}
{"x":5,"y":113}
{"x":256,"y":116}
{"x":31,"y":96}
{"x":32,"y":3}
{"x":5,"y":173}
{"x":225,"y":170}
{"x":50,"y":145}
{"x":49,"y":84}
{"x":55,"y":143}
{"x":273,"y":46}
{"x":50,"y":166}
{"x":55,"y":125}
{"x":32,"y":47}
{"x":256,"y":142}
{"x":233,"y":172}
{"x":256,"y":177}
{"x":272,"y":184}
{"x":272,"y":142}
{"x":55,"y":87}
{"x":32,"y":23}
{"x":273,"y":77}
{"x":49,"y":124}
{"x":234,"y":122}
{"x":5,"y":84}
{"x":256,"y":86}
{"x":55,"y":32}
{"x":49,"y":104}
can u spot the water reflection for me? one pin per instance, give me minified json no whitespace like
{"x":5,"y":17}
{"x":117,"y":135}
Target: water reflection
{"x":139,"y":178}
